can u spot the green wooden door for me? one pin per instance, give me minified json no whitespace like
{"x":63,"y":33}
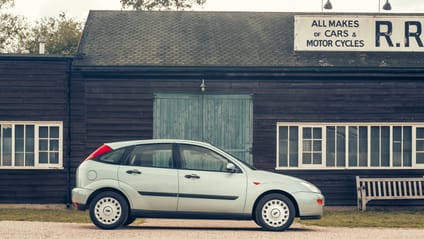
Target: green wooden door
{"x":225,"y":121}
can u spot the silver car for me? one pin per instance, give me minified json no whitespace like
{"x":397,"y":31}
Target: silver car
{"x":122,"y":181}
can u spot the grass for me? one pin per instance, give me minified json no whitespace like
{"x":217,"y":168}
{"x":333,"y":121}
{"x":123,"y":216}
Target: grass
{"x":48,"y":215}
{"x":44,"y":215}
{"x":385,"y":218}
{"x":332,"y":218}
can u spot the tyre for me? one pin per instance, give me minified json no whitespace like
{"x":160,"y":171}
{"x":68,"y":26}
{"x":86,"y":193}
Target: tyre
{"x":275,"y":212}
{"x":109,"y":210}
{"x":129,"y":221}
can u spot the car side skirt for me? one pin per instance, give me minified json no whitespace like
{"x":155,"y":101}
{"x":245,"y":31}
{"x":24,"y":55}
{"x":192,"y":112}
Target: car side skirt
{"x":310,"y":218}
{"x":189,"y":215}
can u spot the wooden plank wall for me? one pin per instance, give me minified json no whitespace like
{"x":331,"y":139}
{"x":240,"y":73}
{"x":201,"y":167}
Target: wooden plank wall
{"x":122,"y":109}
{"x":34,"y":89}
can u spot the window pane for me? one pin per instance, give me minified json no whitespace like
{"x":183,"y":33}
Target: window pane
{"x":19,"y":159}
{"x":43,"y":132}
{"x":363,"y":146}
{"x":397,"y":154}
{"x":307,"y":133}
{"x":397,"y":146}
{"x":317,"y":158}
{"x":199,"y":158}
{"x":331,"y":146}
{"x":385,"y":146}
{"x":353,"y":146}
{"x":54,"y":132}
{"x":54,"y":157}
{"x":29,"y":159}
{"x":43,"y":145}
{"x":420,"y":158}
{"x":54,"y":145}
{"x":152,"y":155}
{"x":420,"y":145}
{"x":407,"y":146}
{"x":19,"y":141}
{"x":19,"y":145}
{"x":420,"y":133}
{"x":19,"y":131}
{"x":113,"y":157}
{"x":317,"y":133}
{"x":307,"y":145}
{"x":294,"y":147}
{"x":307,"y":158}
{"x":341,"y":146}
{"x":29,"y":139}
{"x":375,"y":146}
{"x":7,"y":145}
{"x":43,"y":157}
{"x":317,"y":146}
{"x":284,"y":146}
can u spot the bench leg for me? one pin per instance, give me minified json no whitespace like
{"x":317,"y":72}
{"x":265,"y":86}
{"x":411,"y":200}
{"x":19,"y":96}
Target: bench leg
{"x":364,"y":204}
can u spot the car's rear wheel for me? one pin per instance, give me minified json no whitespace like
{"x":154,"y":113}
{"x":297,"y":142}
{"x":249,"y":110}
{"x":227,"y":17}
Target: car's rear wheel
{"x":109,"y":210}
{"x":275,"y":212}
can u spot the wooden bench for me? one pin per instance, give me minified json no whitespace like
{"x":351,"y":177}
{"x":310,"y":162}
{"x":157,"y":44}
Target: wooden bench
{"x":388,"y":188}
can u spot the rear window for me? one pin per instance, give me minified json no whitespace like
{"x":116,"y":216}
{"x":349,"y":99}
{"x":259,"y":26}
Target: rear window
{"x":113,"y":157}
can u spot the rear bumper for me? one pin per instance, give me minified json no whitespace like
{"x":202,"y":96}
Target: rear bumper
{"x":80,"y":198}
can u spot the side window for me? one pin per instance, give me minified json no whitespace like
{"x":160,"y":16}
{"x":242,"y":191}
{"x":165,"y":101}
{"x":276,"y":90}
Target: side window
{"x":113,"y":157}
{"x":152,"y":155}
{"x":199,"y":158}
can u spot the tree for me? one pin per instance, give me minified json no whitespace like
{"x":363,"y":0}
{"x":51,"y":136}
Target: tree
{"x":6,"y":3}
{"x":13,"y":29}
{"x":160,"y":4}
{"x":60,"y":34}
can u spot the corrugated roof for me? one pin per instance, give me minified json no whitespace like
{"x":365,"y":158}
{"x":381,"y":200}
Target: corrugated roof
{"x":186,"y":38}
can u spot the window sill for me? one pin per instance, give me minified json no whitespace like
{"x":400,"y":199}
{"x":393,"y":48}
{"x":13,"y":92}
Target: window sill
{"x":31,"y":168}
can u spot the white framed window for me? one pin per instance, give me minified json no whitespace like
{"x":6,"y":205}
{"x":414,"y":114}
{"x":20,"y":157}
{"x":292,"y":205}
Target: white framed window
{"x":312,"y":146}
{"x":350,"y":145}
{"x":31,"y":145}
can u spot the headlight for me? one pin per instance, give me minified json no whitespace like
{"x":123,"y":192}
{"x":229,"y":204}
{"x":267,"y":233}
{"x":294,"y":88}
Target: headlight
{"x":311,"y":187}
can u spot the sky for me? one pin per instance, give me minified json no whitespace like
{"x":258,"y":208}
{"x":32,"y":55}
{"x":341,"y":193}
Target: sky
{"x":78,"y":9}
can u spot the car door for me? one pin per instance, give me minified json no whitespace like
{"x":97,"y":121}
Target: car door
{"x":150,"y":178}
{"x":205,"y":185}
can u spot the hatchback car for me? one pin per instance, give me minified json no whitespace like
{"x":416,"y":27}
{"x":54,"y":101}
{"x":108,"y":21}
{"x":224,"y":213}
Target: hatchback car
{"x":122,"y":181}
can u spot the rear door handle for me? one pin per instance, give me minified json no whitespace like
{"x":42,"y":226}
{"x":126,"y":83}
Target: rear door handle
{"x":194,"y":176}
{"x":134,"y":171}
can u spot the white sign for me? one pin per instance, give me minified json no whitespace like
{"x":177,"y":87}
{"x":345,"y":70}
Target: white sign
{"x":359,"y":33}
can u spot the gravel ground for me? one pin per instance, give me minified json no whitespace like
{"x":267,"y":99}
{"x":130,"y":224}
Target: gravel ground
{"x":199,"y":229}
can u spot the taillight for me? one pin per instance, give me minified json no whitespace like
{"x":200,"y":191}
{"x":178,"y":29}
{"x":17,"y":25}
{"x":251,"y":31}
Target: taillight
{"x":100,"y":151}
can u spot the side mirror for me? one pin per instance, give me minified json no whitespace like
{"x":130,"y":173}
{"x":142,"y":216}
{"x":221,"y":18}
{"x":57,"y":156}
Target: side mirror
{"x":231,"y":167}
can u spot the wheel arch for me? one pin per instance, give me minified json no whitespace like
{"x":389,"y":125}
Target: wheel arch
{"x":288,"y":195}
{"x":107,"y":189}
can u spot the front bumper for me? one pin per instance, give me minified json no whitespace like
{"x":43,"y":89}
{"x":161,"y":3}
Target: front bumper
{"x":80,"y":198}
{"x":311,"y":205}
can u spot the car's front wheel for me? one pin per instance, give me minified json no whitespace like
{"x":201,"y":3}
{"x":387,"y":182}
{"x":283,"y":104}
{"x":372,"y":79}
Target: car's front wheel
{"x":108,"y":210}
{"x":275,"y":212}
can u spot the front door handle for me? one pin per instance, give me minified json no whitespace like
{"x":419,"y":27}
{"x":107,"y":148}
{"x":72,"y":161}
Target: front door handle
{"x":194,"y":176}
{"x":134,"y":171}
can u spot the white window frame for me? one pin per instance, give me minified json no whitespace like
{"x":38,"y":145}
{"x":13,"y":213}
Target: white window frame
{"x":37,"y":124}
{"x":301,"y":166}
{"x":300,"y":148}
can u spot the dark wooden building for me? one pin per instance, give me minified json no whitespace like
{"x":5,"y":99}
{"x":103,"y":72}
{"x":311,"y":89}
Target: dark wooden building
{"x":235,"y":80}
{"x":34,"y":113}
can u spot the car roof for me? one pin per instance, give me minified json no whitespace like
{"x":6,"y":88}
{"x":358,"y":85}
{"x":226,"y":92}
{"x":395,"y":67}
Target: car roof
{"x":121,"y":144}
